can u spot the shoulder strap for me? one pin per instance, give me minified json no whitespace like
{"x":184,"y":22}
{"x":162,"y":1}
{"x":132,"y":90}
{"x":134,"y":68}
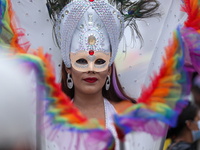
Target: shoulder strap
{"x":173,"y":145}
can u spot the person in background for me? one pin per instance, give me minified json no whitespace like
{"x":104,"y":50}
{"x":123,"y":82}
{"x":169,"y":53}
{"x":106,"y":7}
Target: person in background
{"x":196,"y":89}
{"x":185,"y":134}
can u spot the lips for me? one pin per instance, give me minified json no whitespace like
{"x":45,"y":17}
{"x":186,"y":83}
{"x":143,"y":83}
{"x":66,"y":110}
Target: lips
{"x":90,"y":80}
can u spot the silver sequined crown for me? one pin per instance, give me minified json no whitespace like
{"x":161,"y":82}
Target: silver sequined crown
{"x":89,"y":25}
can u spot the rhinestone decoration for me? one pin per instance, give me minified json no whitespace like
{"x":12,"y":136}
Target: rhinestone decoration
{"x":91,"y":40}
{"x":78,"y":8}
{"x":66,"y":12}
{"x":90,"y":21}
{"x":91,"y":57}
{"x":81,"y":26}
{"x":74,"y":12}
{"x":93,"y":43}
{"x":91,"y":52}
{"x":98,"y":26}
{"x":108,"y":19}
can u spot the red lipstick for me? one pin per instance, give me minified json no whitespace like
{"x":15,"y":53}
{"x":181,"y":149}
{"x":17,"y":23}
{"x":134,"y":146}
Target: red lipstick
{"x":90,"y":80}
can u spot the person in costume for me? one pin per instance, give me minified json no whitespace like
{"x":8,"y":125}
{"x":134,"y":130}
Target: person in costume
{"x":76,"y":22}
{"x":88,"y":34}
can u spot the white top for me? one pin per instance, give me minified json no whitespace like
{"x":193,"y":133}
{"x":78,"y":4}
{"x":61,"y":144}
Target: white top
{"x":68,"y":140}
{"x":133,"y":141}
{"x":110,"y":111}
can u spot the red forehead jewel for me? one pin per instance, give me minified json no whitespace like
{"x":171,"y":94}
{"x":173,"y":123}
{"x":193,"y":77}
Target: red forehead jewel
{"x":91,"y":52}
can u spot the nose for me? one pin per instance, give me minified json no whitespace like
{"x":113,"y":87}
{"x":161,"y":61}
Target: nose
{"x":91,"y":67}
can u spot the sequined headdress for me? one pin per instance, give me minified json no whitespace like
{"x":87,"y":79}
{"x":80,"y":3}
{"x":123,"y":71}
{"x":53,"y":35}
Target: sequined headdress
{"x":95,"y":24}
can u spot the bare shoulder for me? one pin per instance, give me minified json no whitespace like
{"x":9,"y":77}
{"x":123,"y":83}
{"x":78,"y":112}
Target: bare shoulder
{"x":121,"y":106}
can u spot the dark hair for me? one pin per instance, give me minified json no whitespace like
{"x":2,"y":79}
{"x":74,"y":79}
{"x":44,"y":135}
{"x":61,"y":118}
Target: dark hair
{"x":188,"y":113}
{"x":110,"y":94}
{"x":195,"y":88}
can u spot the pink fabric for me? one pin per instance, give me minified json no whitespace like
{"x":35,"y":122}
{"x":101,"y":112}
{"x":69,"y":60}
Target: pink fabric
{"x":192,"y":48}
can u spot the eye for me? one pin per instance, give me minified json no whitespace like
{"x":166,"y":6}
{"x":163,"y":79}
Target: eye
{"x":82,"y":61}
{"x":100,"y":61}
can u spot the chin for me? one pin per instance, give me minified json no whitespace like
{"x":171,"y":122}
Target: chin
{"x":91,"y":90}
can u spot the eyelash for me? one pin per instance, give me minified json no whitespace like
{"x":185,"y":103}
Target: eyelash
{"x":99,"y":61}
{"x":84,"y":61}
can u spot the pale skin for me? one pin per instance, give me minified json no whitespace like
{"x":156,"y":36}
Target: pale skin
{"x":88,"y":96}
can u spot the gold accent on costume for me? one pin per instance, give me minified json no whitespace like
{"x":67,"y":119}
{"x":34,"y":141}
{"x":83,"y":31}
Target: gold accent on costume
{"x":91,"y":40}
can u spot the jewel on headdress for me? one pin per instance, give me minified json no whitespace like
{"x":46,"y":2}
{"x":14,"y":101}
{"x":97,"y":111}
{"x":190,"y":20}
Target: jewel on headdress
{"x":91,"y":40}
{"x":91,"y":52}
{"x":98,"y":25}
{"x":91,"y":0}
{"x":81,"y":26}
{"x":66,"y":12}
{"x":90,"y":21}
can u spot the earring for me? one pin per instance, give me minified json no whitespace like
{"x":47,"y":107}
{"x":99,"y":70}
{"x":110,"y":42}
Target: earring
{"x":69,"y":81}
{"x":108,"y":83}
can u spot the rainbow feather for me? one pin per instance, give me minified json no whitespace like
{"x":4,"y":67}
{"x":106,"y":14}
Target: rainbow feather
{"x":61,"y":112}
{"x":71,"y":118}
{"x":162,"y":100}
{"x":191,"y":34}
{"x":192,"y":8}
{"x":59,"y":107}
{"x":11,"y":35}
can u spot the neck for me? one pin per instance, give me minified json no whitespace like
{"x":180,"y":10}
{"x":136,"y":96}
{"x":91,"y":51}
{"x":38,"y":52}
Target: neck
{"x":90,"y":105}
{"x":185,"y":136}
{"x":88,"y":100}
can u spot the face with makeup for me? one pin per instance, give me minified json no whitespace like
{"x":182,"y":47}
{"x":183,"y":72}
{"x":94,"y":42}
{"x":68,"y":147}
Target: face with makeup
{"x":89,"y":71}
{"x":83,"y":61}
{"x":88,"y":82}
{"x":90,"y":54}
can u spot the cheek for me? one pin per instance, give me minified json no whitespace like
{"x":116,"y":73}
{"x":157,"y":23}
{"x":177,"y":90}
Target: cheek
{"x":76,"y":76}
{"x":104,"y":75}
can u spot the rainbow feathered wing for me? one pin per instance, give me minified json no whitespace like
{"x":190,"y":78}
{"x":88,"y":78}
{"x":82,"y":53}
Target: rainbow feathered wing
{"x":165,"y":97}
{"x":62,"y":114}
{"x":162,"y":100}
